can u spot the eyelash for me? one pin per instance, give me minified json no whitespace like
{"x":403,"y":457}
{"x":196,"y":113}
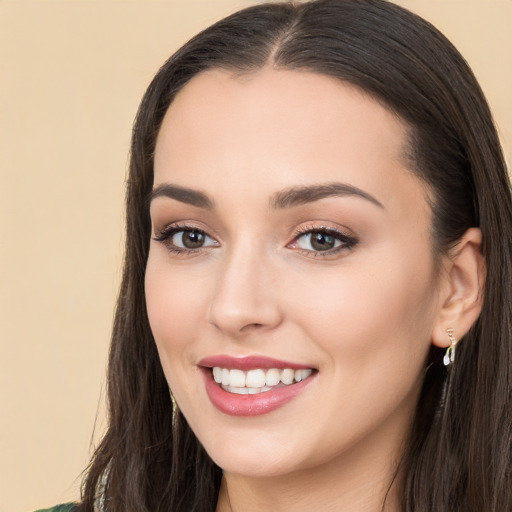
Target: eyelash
{"x":347,"y":242}
{"x":165,"y":236}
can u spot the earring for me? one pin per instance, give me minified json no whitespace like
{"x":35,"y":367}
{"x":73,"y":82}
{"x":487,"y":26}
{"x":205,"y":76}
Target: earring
{"x":174,"y":405}
{"x":449,"y":356}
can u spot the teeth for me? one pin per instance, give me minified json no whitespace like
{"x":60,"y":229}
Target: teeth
{"x":254,"y":379}
{"x":306,"y":374}
{"x":273,"y":377}
{"x":237,"y":378}
{"x":257,"y":381}
{"x":246,"y":391}
{"x":217,"y":374}
{"x":287,"y":376}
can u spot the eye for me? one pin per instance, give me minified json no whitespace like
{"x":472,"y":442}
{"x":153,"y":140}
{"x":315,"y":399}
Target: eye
{"x":190,"y":239}
{"x":318,"y":241}
{"x":185,"y":239}
{"x":322,"y":240}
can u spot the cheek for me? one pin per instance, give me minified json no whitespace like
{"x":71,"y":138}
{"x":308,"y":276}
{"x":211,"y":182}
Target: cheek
{"x":374,"y":331}
{"x":174,"y":310}
{"x":370,"y":309}
{"x":173,"y":304}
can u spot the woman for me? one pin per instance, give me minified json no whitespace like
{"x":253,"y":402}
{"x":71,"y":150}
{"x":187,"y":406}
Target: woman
{"x":318,"y":268}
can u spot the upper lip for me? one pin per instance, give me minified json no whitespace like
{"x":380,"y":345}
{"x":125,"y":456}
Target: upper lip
{"x":249,"y":363}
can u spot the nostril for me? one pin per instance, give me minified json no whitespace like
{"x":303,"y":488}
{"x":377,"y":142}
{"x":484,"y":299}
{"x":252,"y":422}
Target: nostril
{"x":252,"y":326}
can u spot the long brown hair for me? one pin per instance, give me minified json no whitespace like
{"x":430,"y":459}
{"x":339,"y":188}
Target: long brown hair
{"x":458,"y":458}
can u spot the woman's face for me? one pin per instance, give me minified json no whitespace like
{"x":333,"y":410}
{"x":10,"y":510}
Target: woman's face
{"x":291,"y":251}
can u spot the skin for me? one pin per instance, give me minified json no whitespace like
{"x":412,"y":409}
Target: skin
{"x":363,"y":316}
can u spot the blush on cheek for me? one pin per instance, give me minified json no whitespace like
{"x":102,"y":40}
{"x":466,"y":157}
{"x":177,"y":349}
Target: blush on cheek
{"x":358,"y":313}
{"x":170,"y":301}
{"x":176,"y":316}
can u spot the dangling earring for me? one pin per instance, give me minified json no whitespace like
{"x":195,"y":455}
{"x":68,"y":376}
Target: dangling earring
{"x":449,"y":356}
{"x":173,"y":402}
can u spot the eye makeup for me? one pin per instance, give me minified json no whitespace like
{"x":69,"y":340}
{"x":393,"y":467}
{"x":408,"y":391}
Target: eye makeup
{"x":311,"y":240}
{"x":183,"y":239}
{"x":318,"y":241}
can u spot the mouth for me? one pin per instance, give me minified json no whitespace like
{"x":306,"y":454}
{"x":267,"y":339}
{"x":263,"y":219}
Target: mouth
{"x":252,"y":386}
{"x":257,"y":381}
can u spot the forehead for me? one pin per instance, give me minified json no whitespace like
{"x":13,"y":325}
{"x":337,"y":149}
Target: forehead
{"x":279,"y":128}
{"x":282,"y":105}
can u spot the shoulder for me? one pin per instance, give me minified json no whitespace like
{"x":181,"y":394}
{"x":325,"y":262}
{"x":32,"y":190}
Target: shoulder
{"x":68,"y":507}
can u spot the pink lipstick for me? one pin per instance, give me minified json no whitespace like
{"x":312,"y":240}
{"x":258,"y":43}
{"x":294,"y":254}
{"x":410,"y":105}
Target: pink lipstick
{"x":254,"y":385}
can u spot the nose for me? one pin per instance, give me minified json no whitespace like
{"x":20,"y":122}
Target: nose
{"x":245,"y":298}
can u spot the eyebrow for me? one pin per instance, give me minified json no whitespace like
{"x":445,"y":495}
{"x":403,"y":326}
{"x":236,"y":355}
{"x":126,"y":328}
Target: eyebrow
{"x":182,"y":194}
{"x":310,"y":193}
{"x":286,"y":198}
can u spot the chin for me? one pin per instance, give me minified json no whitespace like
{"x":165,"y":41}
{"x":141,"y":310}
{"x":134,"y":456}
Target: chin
{"x":255,"y":467}
{"x":257,"y":461}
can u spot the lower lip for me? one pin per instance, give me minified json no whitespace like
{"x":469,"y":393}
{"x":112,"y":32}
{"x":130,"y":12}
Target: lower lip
{"x":252,"y":405}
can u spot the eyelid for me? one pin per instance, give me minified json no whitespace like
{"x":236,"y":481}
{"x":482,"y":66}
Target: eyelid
{"x":173,"y":227}
{"x":348,"y":241}
{"x":166,"y":234}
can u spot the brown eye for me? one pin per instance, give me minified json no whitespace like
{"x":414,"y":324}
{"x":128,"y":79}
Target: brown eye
{"x":180,"y":239}
{"x":318,"y":241}
{"x":322,"y":241}
{"x":189,"y":239}
{"x":326,"y":241}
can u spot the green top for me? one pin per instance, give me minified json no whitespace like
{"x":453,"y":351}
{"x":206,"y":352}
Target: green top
{"x":68,"y":507}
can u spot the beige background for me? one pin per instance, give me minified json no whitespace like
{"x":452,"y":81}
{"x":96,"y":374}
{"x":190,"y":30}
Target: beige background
{"x":71,"y":75}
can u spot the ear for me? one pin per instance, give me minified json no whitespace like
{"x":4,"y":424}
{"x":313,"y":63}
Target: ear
{"x":461,"y":290}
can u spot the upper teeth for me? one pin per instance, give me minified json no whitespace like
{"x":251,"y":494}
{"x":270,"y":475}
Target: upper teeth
{"x":258,"y":378}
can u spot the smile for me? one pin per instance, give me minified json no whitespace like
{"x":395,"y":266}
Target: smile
{"x":257,"y":381}
{"x":253,"y":385}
